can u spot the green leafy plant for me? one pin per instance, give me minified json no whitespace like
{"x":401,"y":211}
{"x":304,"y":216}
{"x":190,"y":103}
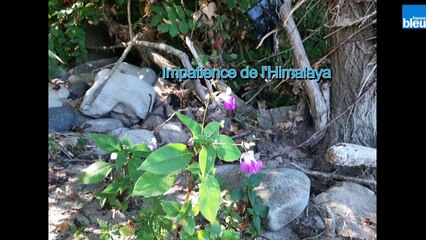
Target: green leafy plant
{"x":67,"y":36}
{"x":173,"y":20}
{"x":141,"y":172}
{"x":127,"y":159}
{"x":79,"y":232}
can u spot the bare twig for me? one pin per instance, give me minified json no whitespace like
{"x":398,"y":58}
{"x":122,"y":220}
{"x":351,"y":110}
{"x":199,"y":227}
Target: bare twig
{"x":350,"y":24}
{"x":200,"y":91}
{"x":266,"y":36}
{"x":315,"y":65}
{"x":298,"y":4}
{"x":191,"y":47}
{"x":372,"y":86}
{"x":129,"y":19}
{"x":317,"y":106}
{"x":335,"y":176}
{"x":112,"y":71}
{"x":242,"y":134}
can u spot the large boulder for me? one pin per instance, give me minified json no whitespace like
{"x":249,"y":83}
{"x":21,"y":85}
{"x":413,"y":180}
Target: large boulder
{"x":284,"y":190}
{"x":128,"y":95}
{"x":350,"y":210}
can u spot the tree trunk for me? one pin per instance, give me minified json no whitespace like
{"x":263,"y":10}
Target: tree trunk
{"x":353,"y":67}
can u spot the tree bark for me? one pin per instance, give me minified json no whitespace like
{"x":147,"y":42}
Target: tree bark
{"x":353,"y":70}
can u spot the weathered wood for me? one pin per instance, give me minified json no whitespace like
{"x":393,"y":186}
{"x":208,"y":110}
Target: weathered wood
{"x":348,"y":154}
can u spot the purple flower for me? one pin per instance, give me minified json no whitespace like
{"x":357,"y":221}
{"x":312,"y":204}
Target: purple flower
{"x":229,"y":102}
{"x":249,"y":164}
{"x":153,"y":144}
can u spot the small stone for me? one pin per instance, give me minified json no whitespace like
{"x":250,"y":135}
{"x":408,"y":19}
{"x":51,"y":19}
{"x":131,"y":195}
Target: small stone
{"x":173,"y":133}
{"x":137,"y":136}
{"x":102,"y":125}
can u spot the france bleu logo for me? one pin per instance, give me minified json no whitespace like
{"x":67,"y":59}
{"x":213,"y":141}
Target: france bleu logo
{"x":414,"y":16}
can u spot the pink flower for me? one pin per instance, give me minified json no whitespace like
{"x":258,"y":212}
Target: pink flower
{"x":249,"y":164}
{"x":153,"y":144}
{"x":229,"y":102}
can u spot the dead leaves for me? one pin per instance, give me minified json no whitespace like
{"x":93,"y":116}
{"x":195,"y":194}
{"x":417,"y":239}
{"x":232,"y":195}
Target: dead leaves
{"x":208,"y":10}
{"x":61,"y":227}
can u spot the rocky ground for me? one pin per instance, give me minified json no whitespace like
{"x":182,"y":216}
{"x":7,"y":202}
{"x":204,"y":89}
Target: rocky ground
{"x":303,"y":204}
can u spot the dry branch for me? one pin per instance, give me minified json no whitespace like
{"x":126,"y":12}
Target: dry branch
{"x":318,"y":108}
{"x":336,"y":176}
{"x":347,"y":154}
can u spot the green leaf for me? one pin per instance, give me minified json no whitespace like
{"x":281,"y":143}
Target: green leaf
{"x":237,"y":194}
{"x":230,"y":235}
{"x":150,"y":184}
{"x":203,"y":235}
{"x":106,"y":142}
{"x":214,"y":229}
{"x":173,"y":30}
{"x":254,"y":180}
{"x":251,"y":195}
{"x":156,"y":20}
{"x":180,"y":12}
{"x":141,"y":150}
{"x":194,"y":168}
{"x":187,"y":207}
{"x":110,"y":190}
{"x":260,"y":209}
{"x":194,"y":211}
{"x":256,"y":223}
{"x":164,"y":27}
{"x":183,"y":27}
{"x":232,"y":4}
{"x":206,"y":159}
{"x":212,"y":130}
{"x":226,"y":148}
{"x":127,"y":231}
{"x":189,"y":225}
{"x":121,"y":159}
{"x":209,"y":198}
{"x":95,"y":172}
{"x":126,"y":141}
{"x":157,"y":9}
{"x":171,"y":208}
{"x":235,"y":215}
{"x":132,"y":169}
{"x":167,"y":159}
{"x":171,"y":15}
{"x":190,"y":123}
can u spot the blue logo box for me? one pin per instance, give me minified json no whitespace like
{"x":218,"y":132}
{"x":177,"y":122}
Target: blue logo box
{"x":414,"y":16}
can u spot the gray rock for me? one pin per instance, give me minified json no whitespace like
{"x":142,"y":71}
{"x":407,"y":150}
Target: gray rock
{"x":270,"y":117}
{"x":58,"y":91}
{"x":54,"y":102}
{"x":148,"y":75}
{"x":91,"y":66}
{"x":285,"y":233}
{"x":173,"y":133}
{"x":284,"y":190}
{"x":62,"y":119}
{"x":78,"y":89}
{"x":124,"y":96}
{"x":152,"y":121}
{"x":137,"y":136}
{"x":118,"y":131}
{"x":348,"y":206}
{"x":102,"y":125}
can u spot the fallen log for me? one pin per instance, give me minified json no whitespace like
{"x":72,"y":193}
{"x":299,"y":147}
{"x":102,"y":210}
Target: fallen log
{"x":347,"y":154}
